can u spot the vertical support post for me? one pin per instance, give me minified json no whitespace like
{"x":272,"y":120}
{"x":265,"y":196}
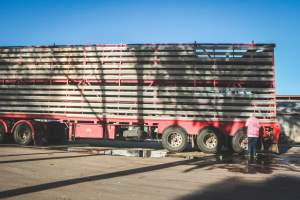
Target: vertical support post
{"x":111,"y":131}
{"x":71,"y":136}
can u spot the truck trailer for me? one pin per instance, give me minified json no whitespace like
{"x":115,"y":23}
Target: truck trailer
{"x":197,"y":93}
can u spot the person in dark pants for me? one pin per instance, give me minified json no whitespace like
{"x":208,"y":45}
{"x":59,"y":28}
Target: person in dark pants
{"x":252,"y":142}
{"x":253,"y":127}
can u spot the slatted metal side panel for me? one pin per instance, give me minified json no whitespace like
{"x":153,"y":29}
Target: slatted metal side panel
{"x":289,"y":105}
{"x":288,"y":116}
{"x":160,"y":81}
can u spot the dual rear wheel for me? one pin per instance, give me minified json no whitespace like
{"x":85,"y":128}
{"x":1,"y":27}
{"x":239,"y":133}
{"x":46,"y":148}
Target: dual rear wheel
{"x":239,"y":142}
{"x":26,"y":132}
{"x":23,"y":134}
{"x":209,"y":140}
{"x":175,"y":139}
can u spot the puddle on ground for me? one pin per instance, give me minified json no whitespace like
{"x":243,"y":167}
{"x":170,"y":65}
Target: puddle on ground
{"x":264,"y":163}
{"x":294,"y":160}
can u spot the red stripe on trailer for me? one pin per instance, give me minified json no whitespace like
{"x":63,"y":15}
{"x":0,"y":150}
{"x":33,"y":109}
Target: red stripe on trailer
{"x":192,"y":127}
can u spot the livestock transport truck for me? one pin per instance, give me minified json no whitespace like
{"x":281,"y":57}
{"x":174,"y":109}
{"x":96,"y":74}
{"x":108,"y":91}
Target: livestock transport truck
{"x":196,"y":93}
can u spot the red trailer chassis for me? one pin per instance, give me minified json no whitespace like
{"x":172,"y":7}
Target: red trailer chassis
{"x":92,"y":128}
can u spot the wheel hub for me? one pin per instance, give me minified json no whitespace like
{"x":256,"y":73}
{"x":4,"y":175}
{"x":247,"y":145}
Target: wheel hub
{"x":244,"y":143}
{"x":175,"y":140}
{"x":24,"y":133}
{"x":211,"y":141}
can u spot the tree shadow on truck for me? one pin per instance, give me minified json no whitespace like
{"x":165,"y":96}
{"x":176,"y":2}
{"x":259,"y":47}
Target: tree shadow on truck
{"x":185,"y":92}
{"x":212,"y":87}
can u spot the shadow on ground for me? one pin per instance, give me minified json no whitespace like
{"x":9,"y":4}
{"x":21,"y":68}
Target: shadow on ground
{"x":62,"y":183}
{"x":44,"y":158}
{"x":120,"y":143}
{"x":29,"y":154}
{"x":264,"y":163}
{"x":228,"y":189}
{"x":275,"y":188}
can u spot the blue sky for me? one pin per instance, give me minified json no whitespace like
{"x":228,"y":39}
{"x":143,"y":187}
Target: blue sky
{"x":42,"y":22}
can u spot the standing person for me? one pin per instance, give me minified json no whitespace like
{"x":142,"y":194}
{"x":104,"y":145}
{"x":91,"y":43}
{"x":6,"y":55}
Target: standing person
{"x":253,"y":126}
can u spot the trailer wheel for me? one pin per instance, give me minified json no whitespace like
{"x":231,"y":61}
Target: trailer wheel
{"x":2,"y":133}
{"x":23,"y":134}
{"x":239,"y":141}
{"x":209,"y":140}
{"x":174,"y":139}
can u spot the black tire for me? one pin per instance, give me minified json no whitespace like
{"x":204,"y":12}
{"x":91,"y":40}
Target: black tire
{"x":239,"y":141}
{"x":2,"y":133}
{"x":174,"y":139}
{"x":209,"y":140}
{"x":23,"y":134}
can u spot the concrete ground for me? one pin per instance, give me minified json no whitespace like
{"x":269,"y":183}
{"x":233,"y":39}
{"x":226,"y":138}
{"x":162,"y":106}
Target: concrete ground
{"x":31,"y":173}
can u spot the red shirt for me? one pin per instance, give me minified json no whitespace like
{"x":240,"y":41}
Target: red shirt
{"x":253,"y":126}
